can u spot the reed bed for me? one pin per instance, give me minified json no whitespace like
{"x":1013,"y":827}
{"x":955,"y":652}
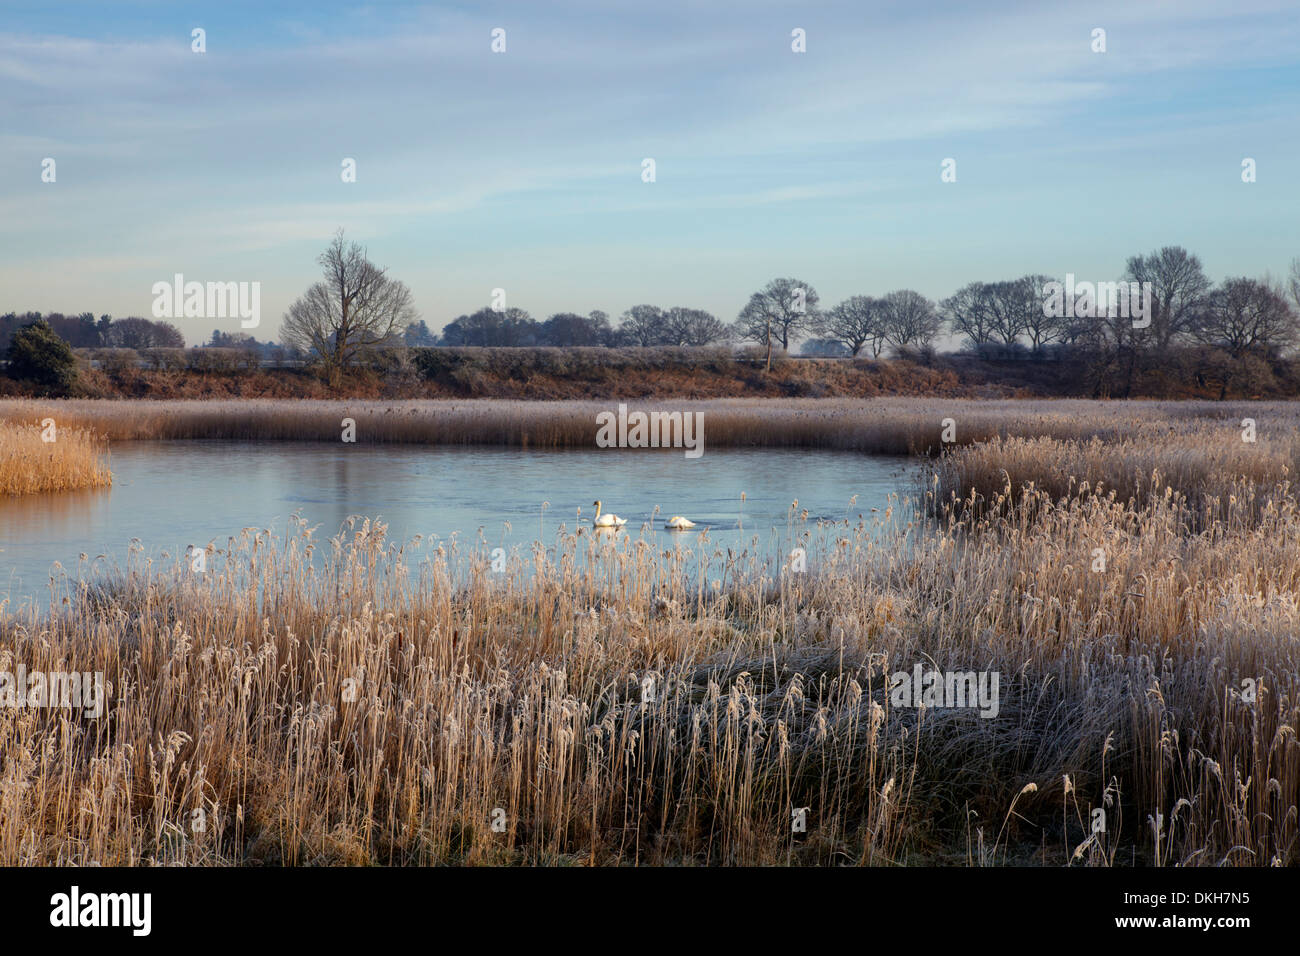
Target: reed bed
{"x":1221,"y":476}
{"x":1195,"y":448}
{"x":896,"y":426}
{"x":77,"y":457}
{"x":608,"y":701}
{"x":1129,"y":571}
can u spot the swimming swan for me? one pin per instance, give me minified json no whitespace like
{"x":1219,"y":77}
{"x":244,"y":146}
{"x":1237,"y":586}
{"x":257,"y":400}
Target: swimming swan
{"x":678,"y":523}
{"x":606,"y":521}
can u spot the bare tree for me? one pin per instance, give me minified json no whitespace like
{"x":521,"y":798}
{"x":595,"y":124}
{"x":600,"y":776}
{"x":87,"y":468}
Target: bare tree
{"x":856,"y":322}
{"x":684,"y":326}
{"x":1293,"y":282}
{"x":910,"y":319}
{"x":1038,"y":325}
{"x":1178,"y":290}
{"x":967,"y":313}
{"x":1245,"y":315}
{"x":1006,"y":312}
{"x":643,"y":325}
{"x":1112,"y":345}
{"x":355,"y":310}
{"x":782,"y":308}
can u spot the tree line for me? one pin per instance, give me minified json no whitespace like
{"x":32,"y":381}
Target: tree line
{"x":641,"y":325}
{"x":358,"y":309}
{"x":1240,"y":315}
{"x":84,"y":331}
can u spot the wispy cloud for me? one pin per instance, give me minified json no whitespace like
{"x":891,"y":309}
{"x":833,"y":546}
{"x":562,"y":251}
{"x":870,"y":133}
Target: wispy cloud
{"x":164,"y":154}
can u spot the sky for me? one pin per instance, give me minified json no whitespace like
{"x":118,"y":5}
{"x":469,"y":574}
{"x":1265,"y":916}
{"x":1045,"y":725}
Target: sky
{"x":522,"y":170}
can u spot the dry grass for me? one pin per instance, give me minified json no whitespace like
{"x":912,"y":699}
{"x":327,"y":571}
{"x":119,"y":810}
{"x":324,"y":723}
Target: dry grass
{"x":77,"y":458}
{"x":625,"y":704}
{"x":526,"y":692}
{"x":875,"y":426}
{"x":1208,"y":464}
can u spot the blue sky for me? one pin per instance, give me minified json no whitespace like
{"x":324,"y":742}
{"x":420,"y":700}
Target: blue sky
{"x":522,"y":170}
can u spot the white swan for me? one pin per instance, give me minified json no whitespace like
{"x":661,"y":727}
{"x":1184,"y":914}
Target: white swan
{"x":678,"y":523}
{"x":606,"y":521}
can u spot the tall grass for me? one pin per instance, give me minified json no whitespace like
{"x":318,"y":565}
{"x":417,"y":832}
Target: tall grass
{"x":1220,"y":475}
{"x":878,"y":426}
{"x":363,"y":701}
{"x":1194,"y":447}
{"x":1129,"y":571}
{"x":76,"y":458}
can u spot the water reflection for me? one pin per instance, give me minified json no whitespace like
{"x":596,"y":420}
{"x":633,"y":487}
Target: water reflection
{"x":171,"y":495}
